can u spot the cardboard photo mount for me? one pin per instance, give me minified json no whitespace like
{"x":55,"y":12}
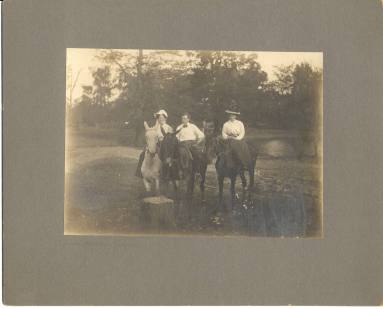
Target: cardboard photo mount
{"x":41,"y":266}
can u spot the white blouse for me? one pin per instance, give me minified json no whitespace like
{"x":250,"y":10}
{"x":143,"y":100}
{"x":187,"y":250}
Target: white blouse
{"x":234,"y":129}
{"x":189,"y":133}
{"x":165,"y":127}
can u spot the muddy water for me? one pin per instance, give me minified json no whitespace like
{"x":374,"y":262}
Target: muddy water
{"x":278,"y":149}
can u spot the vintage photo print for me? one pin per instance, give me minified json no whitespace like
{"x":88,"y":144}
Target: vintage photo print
{"x":193,"y":142}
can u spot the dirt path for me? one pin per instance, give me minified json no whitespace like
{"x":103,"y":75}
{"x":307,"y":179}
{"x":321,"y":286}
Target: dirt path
{"x":103,"y":196}
{"x":84,"y":155}
{"x":79,"y":156}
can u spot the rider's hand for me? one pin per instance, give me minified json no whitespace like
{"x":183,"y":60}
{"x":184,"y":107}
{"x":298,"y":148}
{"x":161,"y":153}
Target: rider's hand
{"x":200,"y":141}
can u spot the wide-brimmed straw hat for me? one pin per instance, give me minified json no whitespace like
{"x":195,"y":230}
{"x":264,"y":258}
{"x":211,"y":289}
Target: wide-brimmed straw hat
{"x":233,"y":108}
{"x":161,"y":112}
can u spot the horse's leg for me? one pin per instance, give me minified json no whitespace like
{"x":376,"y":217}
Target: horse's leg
{"x":244,"y":183}
{"x":220,"y":193}
{"x":157,"y":184}
{"x":165,"y":186}
{"x":243,"y":179}
{"x":251,"y":174}
{"x":177,"y":200}
{"x":147,"y":185}
{"x":232,"y":190}
{"x":191,"y":184}
{"x":175,"y":187}
{"x":202,"y":183}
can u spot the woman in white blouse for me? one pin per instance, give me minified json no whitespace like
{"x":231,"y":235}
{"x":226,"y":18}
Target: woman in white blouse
{"x":234,"y":132}
{"x":233,"y":128}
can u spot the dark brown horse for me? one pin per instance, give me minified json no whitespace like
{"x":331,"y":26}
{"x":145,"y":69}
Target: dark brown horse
{"x":227,"y":166}
{"x":178,"y":161}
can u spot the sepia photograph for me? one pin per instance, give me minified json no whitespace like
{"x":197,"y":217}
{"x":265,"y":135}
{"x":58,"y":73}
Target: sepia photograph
{"x":194,"y":142}
{"x":192,"y":153}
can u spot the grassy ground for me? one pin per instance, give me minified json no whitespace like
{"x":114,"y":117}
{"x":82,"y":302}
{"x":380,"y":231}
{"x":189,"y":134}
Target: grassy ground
{"x":103,"y":196}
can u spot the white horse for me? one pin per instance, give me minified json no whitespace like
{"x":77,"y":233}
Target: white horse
{"x":151,"y":166}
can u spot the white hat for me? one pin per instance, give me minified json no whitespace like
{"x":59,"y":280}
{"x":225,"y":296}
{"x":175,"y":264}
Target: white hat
{"x":161,"y":112}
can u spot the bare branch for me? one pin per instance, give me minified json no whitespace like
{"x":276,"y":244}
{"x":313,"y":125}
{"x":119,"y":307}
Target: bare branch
{"x":76,"y":79}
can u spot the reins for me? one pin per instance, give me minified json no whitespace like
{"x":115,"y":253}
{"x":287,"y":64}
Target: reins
{"x":157,"y":149}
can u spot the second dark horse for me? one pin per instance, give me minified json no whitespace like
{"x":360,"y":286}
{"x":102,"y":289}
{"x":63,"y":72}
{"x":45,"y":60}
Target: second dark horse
{"x":227,"y":166}
{"x":177,"y":160}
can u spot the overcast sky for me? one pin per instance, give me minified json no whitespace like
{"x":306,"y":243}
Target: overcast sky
{"x":83,"y":59}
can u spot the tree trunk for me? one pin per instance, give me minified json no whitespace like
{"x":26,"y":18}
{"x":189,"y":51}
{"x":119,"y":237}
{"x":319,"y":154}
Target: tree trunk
{"x":160,"y":210}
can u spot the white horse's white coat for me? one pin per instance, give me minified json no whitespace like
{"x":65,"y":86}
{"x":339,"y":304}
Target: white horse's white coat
{"x":151,"y":165}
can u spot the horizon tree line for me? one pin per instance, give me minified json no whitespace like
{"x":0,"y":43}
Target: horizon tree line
{"x":129,"y":88}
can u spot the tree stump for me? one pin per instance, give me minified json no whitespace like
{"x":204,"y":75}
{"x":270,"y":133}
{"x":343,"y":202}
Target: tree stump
{"x":160,"y":211}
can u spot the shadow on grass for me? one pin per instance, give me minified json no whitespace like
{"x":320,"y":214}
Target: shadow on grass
{"x":103,"y":197}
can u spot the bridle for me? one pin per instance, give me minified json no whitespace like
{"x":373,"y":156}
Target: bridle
{"x":172,"y":156}
{"x":152,"y":154}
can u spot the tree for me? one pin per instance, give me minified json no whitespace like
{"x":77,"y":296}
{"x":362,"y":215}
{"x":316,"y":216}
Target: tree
{"x":81,"y":112}
{"x":102,"y":86}
{"x":296,"y":89}
{"x":219,"y":77}
{"x":71,"y":83}
{"x":141,"y":82}
{"x":284,"y":79}
{"x":305,"y":94}
{"x":129,"y":86}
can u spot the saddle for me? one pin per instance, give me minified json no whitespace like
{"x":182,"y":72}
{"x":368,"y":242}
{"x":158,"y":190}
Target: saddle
{"x":186,"y":157}
{"x":236,"y":152}
{"x":228,"y":158}
{"x":188,"y":153}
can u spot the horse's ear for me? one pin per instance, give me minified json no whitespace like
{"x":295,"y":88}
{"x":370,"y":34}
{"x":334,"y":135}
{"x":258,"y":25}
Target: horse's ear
{"x":146,"y":126}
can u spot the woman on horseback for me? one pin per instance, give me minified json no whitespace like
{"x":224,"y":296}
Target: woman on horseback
{"x":233,"y":131}
{"x":161,"y":127}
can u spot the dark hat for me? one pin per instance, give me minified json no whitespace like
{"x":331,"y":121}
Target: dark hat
{"x":233,"y":108}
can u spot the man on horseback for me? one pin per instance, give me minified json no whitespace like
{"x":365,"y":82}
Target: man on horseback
{"x":161,"y":127}
{"x":233,"y":131}
{"x":190,"y":137}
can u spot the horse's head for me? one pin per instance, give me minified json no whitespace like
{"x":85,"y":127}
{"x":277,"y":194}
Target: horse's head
{"x":169,"y":147}
{"x":219,"y":145}
{"x":152,"y":139}
{"x":210,"y":139}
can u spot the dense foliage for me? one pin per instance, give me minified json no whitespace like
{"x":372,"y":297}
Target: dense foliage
{"x":130,"y":88}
